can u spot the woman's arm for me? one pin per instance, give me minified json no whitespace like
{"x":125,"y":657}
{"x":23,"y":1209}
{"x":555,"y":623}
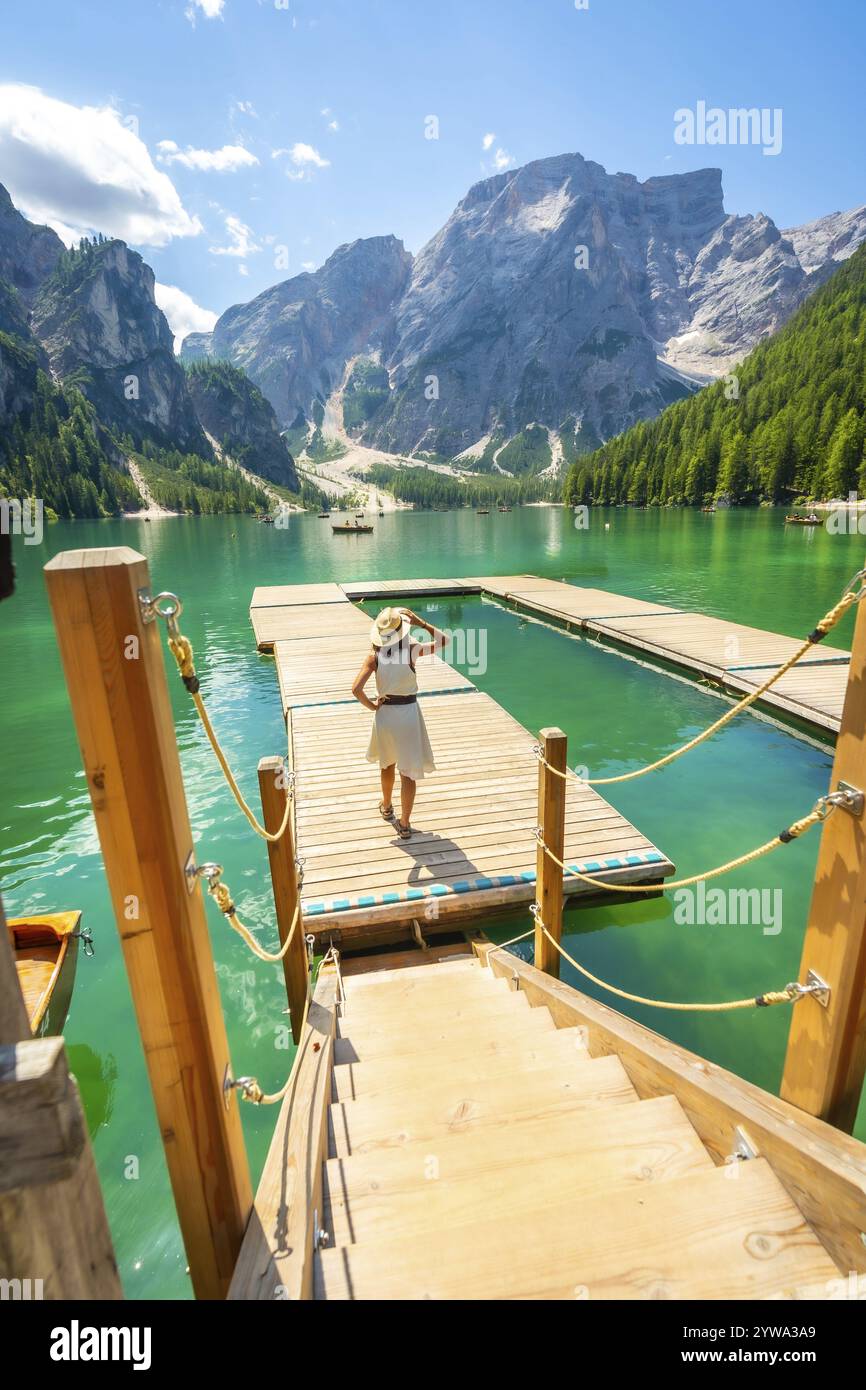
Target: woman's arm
{"x":440,"y":638}
{"x":361,"y":679}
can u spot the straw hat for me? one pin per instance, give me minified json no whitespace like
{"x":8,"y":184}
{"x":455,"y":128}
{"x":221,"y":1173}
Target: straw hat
{"x":391,"y":625}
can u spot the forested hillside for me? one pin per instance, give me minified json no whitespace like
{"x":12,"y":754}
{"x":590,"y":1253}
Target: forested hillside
{"x":790,"y":421}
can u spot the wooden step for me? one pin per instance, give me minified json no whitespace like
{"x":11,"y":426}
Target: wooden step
{"x":463,"y":965}
{"x":720,"y":1234}
{"x":405,"y":1020}
{"x":476,"y":1034}
{"x":359,"y":1078}
{"x":392,"y":1192}
{"x":424,"y":1075}
{"x":360,"y":1125}
{"x":415,"y":997}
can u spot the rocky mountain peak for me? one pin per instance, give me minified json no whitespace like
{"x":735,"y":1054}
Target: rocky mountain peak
{"x":28,"y":253}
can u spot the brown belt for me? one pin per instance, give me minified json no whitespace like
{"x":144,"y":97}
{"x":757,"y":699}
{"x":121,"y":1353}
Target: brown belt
{"x":399,"y":699}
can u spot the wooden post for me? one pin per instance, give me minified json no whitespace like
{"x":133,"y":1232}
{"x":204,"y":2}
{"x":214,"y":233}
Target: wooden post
{"x":284,"y":878}
{"x":548,"y":875}
{"x":826,"y":1058}
{"x":54,"y":1236}
{"x":115,"y":674}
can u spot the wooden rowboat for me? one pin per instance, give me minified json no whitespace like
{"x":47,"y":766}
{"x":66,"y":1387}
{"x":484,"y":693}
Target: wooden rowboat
{"x":351,"y":529}
{"x":804,"y":520}
{"x":46,"y":954}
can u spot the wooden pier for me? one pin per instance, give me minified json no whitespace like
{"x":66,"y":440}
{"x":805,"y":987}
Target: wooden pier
{"x":734,"y":657}
{"x":473,"y":851}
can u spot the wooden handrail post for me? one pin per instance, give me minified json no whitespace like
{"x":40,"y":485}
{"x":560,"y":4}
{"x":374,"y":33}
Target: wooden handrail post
{"x":115,"y":674}
{"x":826,"y":1058}
{"x":284,"y":878}
{"x":548,"y":875}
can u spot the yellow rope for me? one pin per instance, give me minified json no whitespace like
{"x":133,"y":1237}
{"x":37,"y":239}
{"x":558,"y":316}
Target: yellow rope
{"x":760,"y":1001}
{"x":223,"y":898}
{"x":248,"y":1085}
{"x":181,"y":649}
{"x":792,"y":833}
{"x":827,"y":623}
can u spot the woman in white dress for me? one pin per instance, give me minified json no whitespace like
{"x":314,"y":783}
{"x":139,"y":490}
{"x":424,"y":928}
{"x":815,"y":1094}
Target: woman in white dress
{"x":398,"y":740}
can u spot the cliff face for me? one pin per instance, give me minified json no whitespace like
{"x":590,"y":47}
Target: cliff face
{"x":555,"y":294}
{"x":28,"y":253}
{"x":102,"y":330}
{"x":236,"y":414}
{"x":295,"y":339}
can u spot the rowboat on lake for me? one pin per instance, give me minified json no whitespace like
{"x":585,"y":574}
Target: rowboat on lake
{"x":46,"y":954}
{"x":812,"y":520}
{"x":350,"y":528}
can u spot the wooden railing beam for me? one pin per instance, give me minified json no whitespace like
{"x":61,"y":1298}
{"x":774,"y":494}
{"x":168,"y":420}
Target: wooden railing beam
{"x":825,"y":1062}
{"x":115,"y":673}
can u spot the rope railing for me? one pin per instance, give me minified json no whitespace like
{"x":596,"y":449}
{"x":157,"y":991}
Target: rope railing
{"x":789,"y":995}
{"x":823,"y":807}
{"x":248,"y":1086}
{"x":219,"y":891}
{"x":851,"y":596}
{"x":169,"y":607}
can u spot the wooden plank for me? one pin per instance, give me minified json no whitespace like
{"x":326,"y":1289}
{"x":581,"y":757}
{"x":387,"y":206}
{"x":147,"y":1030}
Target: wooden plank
{"x":823,"y":1170}
{"x":400,"y":1192}
{"x":406,"y":588}
{"x":479,"y":1035}
{"x":825,"y":1062}
{"x":700,"y":1236}
{"x":321,"y":670}
{"x":125,"y":728}
{"x":275,"y":1260}
{"x":354,"y":1079}
{"x":497,"y":1101}
{"x":290,"y":595}
{"x":310,"y":620}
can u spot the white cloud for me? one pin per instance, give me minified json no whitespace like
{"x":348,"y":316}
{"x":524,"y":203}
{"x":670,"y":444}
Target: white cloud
{"x":183,"y":314}
{"x":487,"y":141}
{"x":308,"y":265}
{"x":226,"y":160}
{"x":243,"y":270}
{"x":241,"y":238}
{"x":304,"y":157}
{"x":502,"y":159}
{"x":82,"y":169}
{"x":211,"y":9}
{"x":333,"y":123}
{"x":246,"y":108}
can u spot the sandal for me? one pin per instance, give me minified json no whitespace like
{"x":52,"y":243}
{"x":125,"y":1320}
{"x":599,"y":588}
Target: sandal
{"x":386,"y":812}
{"x":404,"y":831}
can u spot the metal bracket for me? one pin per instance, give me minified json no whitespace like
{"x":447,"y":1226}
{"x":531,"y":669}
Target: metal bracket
{"x":320,"y":1236}
{"x":190,"y":871}
{"x":818,"y":988}
{"x":853,"y":801}
{"x":744,"y":1149}
{"x":145,"y":603}
{"x":228,"y":1085}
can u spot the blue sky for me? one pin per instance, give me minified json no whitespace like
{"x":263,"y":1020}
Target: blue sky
{"x":204,"y":92}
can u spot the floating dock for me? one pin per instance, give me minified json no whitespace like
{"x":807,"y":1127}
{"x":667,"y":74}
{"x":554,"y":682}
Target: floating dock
{"x":733,"y":656}
{"x":473,"y":851}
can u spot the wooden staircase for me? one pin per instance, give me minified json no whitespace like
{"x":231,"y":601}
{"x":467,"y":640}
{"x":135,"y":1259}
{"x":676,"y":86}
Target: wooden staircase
{"x":476,"y":1151}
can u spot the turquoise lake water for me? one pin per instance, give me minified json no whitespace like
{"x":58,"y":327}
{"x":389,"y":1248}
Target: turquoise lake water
{"x":718,"y":801}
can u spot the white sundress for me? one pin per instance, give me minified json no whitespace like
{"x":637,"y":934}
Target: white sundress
{"x":399,"y":734}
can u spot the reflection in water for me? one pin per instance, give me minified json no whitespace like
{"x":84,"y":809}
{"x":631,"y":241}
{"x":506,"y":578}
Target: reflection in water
{"x":97,"y":1078}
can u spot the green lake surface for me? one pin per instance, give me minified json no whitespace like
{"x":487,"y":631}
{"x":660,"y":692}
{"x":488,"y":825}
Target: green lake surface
{"x":717,"y":802}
